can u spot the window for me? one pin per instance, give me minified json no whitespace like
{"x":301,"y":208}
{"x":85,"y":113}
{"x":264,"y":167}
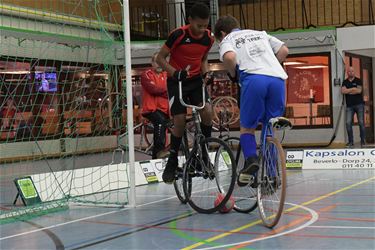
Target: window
{"x":308,"y":90}
{"x":15,"y":101}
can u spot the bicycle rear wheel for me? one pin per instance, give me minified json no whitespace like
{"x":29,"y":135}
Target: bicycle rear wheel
{"x":178,"y":183}
{"x":272,"y":183}
{"x":245,"y":197}
{"x":204,"y":178}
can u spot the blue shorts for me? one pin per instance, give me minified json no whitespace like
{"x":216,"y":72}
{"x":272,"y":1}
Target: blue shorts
{"x":262,"y":98}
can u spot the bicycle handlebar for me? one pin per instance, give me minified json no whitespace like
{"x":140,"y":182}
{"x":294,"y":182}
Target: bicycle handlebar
{"x":188,"y":105}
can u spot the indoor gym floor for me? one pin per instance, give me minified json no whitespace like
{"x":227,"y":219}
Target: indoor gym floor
{"x":325,"y":209}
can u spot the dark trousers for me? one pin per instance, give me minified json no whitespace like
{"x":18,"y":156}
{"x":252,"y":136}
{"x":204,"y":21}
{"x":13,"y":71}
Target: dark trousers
{"x":159,"y":120}
{"x":350,"y":111}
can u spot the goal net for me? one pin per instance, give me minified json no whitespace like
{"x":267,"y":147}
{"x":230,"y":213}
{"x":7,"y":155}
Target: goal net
{"x":60,"y":124}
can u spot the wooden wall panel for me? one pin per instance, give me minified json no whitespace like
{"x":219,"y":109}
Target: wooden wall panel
{"x":357,"y":11}
{"x":365,"y":11}
{"x":298,"y":5}
{"x":335,"y":11}
{"x":349,"y":10}
{"x":321,"y":13}
{"x":284,"y":14}
{"x":262,"y":15}
{"x":313,"y":10}
{"x":292,"y":13}
{"x":271,"y":15}
{"x":258,"y":21}
{"x":328,"y":12}
{"x":278,"y":14}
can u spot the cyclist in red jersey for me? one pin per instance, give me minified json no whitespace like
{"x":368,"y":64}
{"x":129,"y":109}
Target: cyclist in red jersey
{"x":188,"y":47}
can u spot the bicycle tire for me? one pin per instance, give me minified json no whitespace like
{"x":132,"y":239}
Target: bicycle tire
{"x":178,"y":183}
{"x":272,"y":183}
{"x":197,"y":181}
{"x":245,"y":197}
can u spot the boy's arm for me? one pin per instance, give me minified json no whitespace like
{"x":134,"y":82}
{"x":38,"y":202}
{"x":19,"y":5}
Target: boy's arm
{"x":282,"y":53}
{"x":229,"y":60}
{"x":161,"y":59}
{"x":204,"y":65}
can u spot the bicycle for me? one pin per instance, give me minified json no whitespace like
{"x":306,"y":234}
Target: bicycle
{"x":110,"y":115}
{"x":269,"y":194}
{"x":208,"y":167}
{"x":226,"y":114}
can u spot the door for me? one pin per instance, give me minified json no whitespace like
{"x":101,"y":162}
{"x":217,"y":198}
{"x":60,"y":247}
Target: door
{"x":366,"y":76}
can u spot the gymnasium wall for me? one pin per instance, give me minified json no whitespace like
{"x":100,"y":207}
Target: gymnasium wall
{"x":292,"y":14}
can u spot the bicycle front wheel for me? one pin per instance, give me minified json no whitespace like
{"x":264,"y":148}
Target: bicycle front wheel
{"x":209,"y":173}
{"x":178,"y":183}
{"x":272,"y":183}
{"x":245,"y":197}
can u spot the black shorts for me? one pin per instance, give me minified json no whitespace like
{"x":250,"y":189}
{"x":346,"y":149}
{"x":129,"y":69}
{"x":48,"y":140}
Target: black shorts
{"x":191,"y":94}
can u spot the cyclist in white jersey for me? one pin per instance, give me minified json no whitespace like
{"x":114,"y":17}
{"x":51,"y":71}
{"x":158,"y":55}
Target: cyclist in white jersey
{"x":254,"y":58}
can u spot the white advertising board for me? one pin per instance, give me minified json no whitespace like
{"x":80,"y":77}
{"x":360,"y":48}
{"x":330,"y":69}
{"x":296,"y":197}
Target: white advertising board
{"x":294,"y":158}
{"x":339,"y":159}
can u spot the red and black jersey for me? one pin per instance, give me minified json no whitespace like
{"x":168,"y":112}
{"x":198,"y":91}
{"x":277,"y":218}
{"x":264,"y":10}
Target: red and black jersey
{"x":186,"y":49}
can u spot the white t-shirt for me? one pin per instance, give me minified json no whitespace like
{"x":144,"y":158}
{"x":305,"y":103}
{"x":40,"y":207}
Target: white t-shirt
{"x":255,"y":52}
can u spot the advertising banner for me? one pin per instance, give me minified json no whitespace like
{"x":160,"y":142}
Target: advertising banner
{"x":294,"y":158}
{"x":149,"y":171}
{"x":339,"y":159}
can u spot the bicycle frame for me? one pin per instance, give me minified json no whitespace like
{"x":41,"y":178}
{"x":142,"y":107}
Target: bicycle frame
{"x":197,"y":120}
{"x":267,"y":132}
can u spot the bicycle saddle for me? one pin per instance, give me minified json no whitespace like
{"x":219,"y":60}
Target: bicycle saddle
{"x":280,"y":123}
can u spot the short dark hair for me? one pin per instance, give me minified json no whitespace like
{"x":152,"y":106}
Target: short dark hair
{"x":200,"y":10}
{"x":226,"y":24}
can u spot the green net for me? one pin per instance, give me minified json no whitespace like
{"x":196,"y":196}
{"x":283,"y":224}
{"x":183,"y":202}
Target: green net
{"x":62,"y":103}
